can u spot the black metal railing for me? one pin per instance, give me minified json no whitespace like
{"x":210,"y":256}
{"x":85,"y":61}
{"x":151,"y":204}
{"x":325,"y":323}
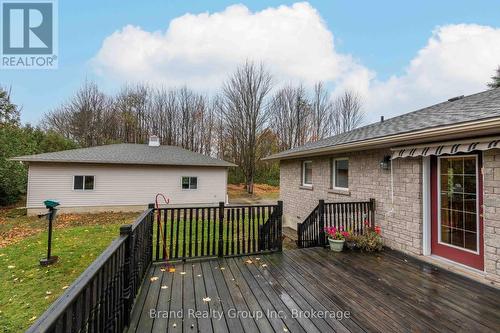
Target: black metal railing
{"x":353,"y":216}
{"x":101,"y":299}
{"x":217,"y":231}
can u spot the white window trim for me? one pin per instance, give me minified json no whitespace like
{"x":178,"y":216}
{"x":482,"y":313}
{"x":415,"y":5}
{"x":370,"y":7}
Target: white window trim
{"x":478,"y":174}
{"x":190,"y":189}
{"x":83,"y":189}
{"x":333,"y":172}
{"x":304,"y":174}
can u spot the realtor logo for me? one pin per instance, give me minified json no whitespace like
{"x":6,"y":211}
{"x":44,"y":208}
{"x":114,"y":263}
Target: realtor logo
{"x":29,"y":38}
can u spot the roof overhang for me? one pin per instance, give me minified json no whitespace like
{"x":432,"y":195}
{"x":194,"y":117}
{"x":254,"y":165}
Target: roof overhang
{"x":131,"y":163}
{"x":451,"y":132}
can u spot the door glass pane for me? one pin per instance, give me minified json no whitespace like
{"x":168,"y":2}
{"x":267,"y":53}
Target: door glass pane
{"x":471,"y":241}
{"x":458,"y":205}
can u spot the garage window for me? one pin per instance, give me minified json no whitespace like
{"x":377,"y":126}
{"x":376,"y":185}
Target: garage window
{"x":189,"y":183}
{"x":83,"y":183}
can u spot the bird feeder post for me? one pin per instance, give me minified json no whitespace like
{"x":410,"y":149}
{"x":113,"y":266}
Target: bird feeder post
{"x":51,"y":206}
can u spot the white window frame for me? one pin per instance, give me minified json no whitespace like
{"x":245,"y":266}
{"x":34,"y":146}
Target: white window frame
{"x":83,"y":189}
{"x":334,"y":173}
{"x":478,"y":174}
{"x":304,"y":174}
{"x":190,"y":189}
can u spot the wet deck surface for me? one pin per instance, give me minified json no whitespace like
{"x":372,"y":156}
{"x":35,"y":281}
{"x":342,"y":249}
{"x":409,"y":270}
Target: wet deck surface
{"x":346,"y":292}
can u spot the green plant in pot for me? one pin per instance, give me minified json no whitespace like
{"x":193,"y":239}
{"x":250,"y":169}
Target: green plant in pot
{"x":352,"y":241}
{"x":336,"y":238}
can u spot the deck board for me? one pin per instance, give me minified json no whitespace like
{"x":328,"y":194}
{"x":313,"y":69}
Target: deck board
{"x":385,"y":292}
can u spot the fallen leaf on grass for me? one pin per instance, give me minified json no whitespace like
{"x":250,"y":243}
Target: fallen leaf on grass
{"x":48,"y":292}
{"x":32,"y":318}
{"x":65,"y":287}
{"x":11,"y":266}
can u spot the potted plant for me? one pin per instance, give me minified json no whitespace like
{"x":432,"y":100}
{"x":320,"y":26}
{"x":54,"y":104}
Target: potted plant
{"x":336,"y":238}
{"x":352,"y":241}
{"x":371,"y":239}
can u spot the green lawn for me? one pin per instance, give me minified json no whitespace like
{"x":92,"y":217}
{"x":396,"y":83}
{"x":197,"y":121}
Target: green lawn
{"x":27,"y":289}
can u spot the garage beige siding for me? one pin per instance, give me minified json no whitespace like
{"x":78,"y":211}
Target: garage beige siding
{"x":122,"y":185}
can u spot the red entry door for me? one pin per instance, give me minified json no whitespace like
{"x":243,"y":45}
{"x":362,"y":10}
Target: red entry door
{"x":457,"y":217}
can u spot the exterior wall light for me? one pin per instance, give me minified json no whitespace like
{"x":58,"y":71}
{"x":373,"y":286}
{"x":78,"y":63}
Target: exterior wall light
{"x":385,"y":164}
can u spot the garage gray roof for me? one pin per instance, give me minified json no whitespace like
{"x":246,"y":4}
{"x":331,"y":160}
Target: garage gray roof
{"x":475,"y":107}
{"x":129,"y":154}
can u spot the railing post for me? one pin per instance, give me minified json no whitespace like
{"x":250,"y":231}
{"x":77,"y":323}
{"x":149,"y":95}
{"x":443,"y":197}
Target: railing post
{"x":372,"y":212}
{"x":321,"y":216}
{"x":221,"y":229}
{"x":299,"y":235}
{"x":126,"y":231}
{"x":151,"y":230}
{"x":280,"y":225}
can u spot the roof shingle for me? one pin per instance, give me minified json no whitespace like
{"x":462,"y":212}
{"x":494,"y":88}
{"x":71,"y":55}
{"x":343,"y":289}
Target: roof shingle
{"x":129,"y":154}
{"x":475,"y":107}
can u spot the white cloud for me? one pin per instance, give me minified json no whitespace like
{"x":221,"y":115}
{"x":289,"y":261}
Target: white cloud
{"x":458,"y":59}
{"x":295,"y":44}
{"x":200,"y":50}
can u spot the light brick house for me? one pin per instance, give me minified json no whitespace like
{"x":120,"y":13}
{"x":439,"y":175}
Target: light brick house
{"x":398,"y":163}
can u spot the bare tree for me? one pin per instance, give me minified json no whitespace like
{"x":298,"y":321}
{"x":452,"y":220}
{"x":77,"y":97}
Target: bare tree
{"x":321,"y":108}
{"x":290,"y":112}
{"x":347,"y":113}
{"x":244,"y":115}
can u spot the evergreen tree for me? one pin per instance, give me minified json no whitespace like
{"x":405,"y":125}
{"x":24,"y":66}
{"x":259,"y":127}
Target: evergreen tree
{"x":9,"y":113}
{"x":495,"y":83}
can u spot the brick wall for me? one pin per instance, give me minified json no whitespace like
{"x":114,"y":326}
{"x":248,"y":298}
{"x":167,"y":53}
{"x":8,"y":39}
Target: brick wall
{"x":400,"y":216}
{"x":491,"y":164}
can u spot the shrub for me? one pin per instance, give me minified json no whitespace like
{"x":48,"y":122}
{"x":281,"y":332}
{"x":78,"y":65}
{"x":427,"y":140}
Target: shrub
{"x":370,"y":241}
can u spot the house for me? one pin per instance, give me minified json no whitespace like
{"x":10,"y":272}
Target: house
{"x":123,"y":177}
{"x":434,"y":174}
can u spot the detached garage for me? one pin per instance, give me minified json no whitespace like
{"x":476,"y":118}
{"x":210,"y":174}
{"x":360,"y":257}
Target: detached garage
{"x":123,"y":177}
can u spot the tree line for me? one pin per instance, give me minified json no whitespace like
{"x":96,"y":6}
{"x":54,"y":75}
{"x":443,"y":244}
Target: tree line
{"x":16,"y":140}
{"x":251,"y":117}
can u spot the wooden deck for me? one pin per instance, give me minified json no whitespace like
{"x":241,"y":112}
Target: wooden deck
{"x":384,"y":292}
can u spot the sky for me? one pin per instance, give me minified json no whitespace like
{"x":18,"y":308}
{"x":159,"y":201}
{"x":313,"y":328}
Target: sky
{"x":398,"y":56}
